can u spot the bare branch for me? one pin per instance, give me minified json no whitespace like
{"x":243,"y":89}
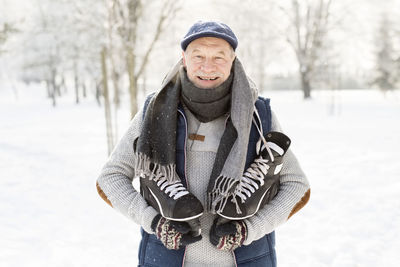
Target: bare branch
{"x":168,"y":10}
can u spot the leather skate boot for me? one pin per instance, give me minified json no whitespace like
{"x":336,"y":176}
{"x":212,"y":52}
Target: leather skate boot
{"x":172,"y":200}
{"x":260,"y":182}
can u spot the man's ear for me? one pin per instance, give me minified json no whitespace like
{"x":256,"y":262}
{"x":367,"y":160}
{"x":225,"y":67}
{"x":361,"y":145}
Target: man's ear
{"x":183,"y":59}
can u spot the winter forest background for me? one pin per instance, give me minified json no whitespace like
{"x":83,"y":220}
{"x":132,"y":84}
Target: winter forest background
{"x":73,"y":73}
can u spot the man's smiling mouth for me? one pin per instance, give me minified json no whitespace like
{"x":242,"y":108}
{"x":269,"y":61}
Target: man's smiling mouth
{"x":207,"y":79}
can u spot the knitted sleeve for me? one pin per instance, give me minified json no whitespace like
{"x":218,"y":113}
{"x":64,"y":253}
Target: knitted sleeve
{"x":293,"y":194}
{"x":114,"y":184}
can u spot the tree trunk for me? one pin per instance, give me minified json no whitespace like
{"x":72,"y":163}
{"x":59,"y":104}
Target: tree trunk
{"x":117,"y":100}
{"x":84,"y":91}
{"x":98,"y":92}
{"x":76,"y":84}
{"x":56,"y":87}
{"x":48,"y":88}
{"x":115,"y":79}
{"x":52,"y":88}
{"x":63,"y":85}
{"x":133,"y":96}
{"x":107,"y":109}
{"x":132,"y":82}
{"x":50,"y":92}
{"x":305,"y":85}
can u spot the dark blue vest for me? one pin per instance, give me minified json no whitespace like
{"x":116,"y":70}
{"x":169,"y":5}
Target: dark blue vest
{"x":260,"y":253}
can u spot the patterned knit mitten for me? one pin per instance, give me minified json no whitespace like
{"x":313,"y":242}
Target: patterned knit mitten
{"x":228,"y":236}
{"x":173,"y":234}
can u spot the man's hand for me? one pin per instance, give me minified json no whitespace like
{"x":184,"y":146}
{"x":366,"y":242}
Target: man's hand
{"x":173,"y":234}
{"x":228,"y":236}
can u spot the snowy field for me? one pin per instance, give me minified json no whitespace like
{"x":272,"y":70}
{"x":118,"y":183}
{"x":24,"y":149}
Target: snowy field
{"x":51,"y":215}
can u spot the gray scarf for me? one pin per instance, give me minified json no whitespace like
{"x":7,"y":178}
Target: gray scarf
{"x":206,"y":104}
{"x":156,"y":145}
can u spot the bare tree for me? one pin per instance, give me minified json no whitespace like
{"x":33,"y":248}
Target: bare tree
{"x":129,"y":15}
{"x":386,"y":75}
{"x":107,"y":106}
{"x":258,"y":39}
{"x":309,"y":27}
{"x":397,"y":52}
{"x":5,"y":30}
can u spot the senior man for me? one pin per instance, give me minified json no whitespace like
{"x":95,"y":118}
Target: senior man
{"x":216,"y":172}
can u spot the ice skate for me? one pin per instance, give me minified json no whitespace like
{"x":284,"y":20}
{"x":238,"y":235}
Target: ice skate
{"x":260,"y":182}
{"x":172,"y":200}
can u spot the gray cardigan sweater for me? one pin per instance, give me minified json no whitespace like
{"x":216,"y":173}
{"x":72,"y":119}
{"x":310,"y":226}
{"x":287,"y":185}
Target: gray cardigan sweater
{"x":115,"y":186}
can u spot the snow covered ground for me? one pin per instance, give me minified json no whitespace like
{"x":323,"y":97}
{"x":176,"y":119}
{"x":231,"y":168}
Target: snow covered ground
{"x":51,"y":215}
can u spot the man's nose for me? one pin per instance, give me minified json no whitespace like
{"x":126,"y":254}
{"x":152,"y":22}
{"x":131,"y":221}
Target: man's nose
{"x":208,"y":65}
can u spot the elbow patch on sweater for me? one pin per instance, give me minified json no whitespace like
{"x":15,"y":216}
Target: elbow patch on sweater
{"x":103,"y":195}
{"x":303,"y":201}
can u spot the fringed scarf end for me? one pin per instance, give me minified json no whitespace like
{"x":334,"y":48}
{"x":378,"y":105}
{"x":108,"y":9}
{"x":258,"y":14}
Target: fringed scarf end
{"x":220,"y":193}
{"x":153,"y":171}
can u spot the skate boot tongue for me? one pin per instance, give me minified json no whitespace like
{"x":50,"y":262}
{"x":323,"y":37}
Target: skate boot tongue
{"x":274,"y":144}
{"x":276,"y":148}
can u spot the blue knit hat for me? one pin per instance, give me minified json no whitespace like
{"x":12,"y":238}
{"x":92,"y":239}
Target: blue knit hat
{"x":209,"y":29}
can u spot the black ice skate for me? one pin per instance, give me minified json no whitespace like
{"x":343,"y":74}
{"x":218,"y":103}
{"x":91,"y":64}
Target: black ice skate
{"x":171,"y":200}
{"x":260,"y":182}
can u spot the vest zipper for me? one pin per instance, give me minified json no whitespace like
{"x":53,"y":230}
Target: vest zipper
{"x":187,"y":183}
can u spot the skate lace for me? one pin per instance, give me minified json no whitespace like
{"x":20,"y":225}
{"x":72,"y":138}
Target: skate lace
{"x":174,"y":190}
{"x":253,"y":178}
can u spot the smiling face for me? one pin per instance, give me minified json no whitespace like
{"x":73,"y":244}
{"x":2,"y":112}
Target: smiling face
{"x":208,"y":61}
